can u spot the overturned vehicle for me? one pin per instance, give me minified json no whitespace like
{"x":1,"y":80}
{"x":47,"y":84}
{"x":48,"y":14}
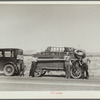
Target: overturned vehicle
{"x":52,"y":59}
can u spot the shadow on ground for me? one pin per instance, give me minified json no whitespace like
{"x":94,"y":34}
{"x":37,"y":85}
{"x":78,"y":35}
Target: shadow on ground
{"x":53,"y":76}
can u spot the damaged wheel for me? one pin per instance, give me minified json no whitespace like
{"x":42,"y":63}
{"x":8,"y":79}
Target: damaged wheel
{"x":38,"y":72}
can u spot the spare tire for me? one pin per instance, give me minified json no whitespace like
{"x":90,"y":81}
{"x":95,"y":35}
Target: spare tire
{"x":81,"y":53}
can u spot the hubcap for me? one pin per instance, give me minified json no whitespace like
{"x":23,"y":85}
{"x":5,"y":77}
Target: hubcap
{"x":76,"y":73}
{"x":9,"y":69}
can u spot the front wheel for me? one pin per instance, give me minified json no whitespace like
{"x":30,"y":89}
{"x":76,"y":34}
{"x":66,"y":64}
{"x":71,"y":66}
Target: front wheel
{"x":38,"y":72}
{"x":9,"y":70}
{"x":76,"y":72}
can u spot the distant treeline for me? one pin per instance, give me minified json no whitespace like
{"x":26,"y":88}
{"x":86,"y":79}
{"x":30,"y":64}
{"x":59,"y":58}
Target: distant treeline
{"x":93,"y":54}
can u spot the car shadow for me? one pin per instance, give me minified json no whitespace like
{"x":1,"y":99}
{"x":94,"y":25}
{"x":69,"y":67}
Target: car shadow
{"x":1,"y":74}
{"x":53,"y":76}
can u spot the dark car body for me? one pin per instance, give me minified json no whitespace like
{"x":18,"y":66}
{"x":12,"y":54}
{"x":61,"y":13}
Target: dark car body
{"x":10,"y":59}
{"x":52,"y":59}
{"x":51,"y":64}
{"x":42,"y":66}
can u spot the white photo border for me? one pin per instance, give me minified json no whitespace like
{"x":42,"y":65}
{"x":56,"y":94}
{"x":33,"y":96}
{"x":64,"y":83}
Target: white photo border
{"x":47,"y":94}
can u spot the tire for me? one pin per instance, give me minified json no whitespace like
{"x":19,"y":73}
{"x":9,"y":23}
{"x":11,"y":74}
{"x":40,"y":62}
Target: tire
{"x":38,"y":72}
{"x":76,"y":72}
{"x":9,"y":70}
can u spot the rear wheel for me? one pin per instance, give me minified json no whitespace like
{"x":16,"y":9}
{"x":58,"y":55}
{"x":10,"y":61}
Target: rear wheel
{"x":38,"y":72}
{"x":9,"y":70}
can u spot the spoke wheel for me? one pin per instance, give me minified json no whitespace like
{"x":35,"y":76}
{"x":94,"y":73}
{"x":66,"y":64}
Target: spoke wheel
{"x":8,"y":70}
{"x":76,"y":71}
{"x":38,"y":72}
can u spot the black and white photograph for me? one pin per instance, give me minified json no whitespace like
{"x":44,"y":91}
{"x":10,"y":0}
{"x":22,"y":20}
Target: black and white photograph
{"x":49,"y":48}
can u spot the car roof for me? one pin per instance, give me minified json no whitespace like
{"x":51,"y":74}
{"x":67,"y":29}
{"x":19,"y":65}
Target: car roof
{"x":10,"y":49}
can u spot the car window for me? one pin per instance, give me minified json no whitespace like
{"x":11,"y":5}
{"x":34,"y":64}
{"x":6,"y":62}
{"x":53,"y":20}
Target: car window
{"x":12,"y":53}
{"x":1,"y":54}
{"x":7,"y":53}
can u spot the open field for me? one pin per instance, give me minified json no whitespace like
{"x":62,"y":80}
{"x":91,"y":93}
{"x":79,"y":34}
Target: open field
{"x":94,"y":67}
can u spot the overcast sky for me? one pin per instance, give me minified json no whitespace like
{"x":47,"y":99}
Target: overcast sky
{"x":32,"y":27}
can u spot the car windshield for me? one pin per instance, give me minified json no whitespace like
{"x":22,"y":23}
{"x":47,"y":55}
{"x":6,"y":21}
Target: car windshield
{"x":10,"y":52}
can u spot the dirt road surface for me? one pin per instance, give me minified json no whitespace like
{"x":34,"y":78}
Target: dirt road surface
{"x":48,"y":83}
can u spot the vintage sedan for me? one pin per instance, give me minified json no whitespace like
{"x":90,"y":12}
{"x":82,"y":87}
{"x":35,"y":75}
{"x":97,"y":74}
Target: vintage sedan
{"x":11,"y":60}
